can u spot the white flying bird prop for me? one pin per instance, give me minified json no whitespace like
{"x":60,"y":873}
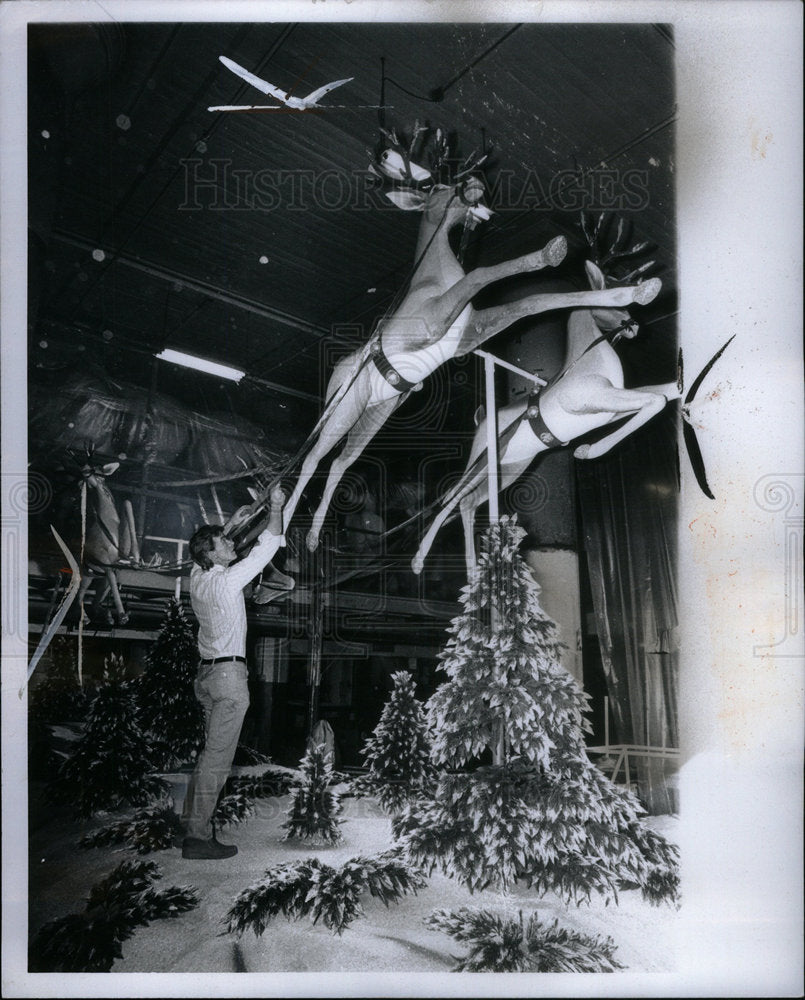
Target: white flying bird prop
{"x":294,"y":103}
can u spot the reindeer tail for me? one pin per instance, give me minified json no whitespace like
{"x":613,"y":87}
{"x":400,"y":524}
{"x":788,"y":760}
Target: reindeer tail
{"x":688,"y":433}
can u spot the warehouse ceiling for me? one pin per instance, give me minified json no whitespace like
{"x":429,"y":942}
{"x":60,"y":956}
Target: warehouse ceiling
{"x":259,"y":239}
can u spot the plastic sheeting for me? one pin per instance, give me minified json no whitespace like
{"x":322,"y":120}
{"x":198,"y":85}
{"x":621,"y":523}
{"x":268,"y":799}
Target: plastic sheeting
{"x":628,"y":503}
{"x":120,"y":420}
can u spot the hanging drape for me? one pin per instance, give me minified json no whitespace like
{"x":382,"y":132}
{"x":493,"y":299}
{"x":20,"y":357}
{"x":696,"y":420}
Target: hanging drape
{"x":628,"y":508}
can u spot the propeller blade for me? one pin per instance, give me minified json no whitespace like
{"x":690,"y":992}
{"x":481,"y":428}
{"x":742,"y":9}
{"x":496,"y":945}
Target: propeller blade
{"x":702,"y":374}
{"x":696,"y":460}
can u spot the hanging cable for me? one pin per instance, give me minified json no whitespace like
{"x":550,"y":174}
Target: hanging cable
{"x":437,"y":94}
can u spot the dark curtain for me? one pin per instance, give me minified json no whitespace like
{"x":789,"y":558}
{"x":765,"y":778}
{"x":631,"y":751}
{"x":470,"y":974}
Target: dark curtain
{"x":628,"y":512}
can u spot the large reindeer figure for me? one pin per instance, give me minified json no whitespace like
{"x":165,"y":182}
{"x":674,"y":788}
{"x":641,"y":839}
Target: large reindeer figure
{"x":435,"y":320}
{"x":108,"y":538}
{"x":587,"y":394}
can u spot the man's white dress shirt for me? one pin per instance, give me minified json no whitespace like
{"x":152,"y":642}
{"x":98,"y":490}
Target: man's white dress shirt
{"x":216,"y":596}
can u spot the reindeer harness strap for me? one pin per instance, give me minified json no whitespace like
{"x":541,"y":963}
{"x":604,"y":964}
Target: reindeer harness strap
{"x":389,"y":372}
{"x":538,"y":425}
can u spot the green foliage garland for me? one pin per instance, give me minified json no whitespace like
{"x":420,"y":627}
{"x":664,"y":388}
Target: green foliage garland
{"x":91,"y":941}
{"x":154,"y":828}
{"x":510,"y":944}
{"x":319,"y":891}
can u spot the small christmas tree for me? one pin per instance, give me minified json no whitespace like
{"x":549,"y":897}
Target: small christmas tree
{"x":315,"y":806}
{"x":398,"y":751}
{"x":111,"y":765}
{"x":168,"y":709}
{"x":521,"y":799}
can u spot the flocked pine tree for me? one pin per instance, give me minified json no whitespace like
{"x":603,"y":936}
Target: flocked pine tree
{"x":168,"y":710}
{"x":110,"y":766}
{"x":540,"y":811}
{"x":398,"y":753}
{"x":313,"y":813}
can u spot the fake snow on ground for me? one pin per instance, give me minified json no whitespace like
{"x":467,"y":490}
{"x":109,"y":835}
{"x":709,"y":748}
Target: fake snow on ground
{"x":385,"y":940}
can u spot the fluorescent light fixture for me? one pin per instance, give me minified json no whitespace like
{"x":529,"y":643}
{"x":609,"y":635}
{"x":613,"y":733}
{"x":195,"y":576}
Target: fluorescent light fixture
{"x":201,"y":364}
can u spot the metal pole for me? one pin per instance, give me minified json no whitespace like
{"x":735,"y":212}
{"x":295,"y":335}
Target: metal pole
{"x":317,"y":602}
{"x":512,"y":368}
{"x":499,"y":749}
{"x":491,"y":438}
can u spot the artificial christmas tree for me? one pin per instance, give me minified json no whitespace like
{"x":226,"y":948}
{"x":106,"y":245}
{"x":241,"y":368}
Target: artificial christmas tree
{"x":60,"y":697}
{"x":397,"y":753}
{"x":519,"y":798}
{"x":313,"y":813}
{"x":168,"y":710}
{"x":110,"y":766}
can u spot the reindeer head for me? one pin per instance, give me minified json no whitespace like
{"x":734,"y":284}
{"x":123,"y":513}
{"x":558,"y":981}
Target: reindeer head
{"x":611,"y":264}
{"x":93,"y":475}
{"x":609,"y":319}
{"x":431,"y":189}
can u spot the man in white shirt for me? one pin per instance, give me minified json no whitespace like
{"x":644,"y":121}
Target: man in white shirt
{"x":216,"y":595}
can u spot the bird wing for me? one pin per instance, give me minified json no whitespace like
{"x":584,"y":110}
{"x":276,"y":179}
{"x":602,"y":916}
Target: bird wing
{"x":317,"y":94}
{"x":246,"y":107}
{"x":255,"y":81}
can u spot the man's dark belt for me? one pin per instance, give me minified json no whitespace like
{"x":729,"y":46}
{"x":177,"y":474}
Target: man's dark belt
{"x":223,"y":659}
{"x":538,"y":425}
{"x":389,"y":372}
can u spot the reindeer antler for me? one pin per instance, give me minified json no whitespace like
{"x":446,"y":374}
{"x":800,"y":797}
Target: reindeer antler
{"x":399,"y":159}
{"x":392,"y":158}
{"x":609,"y":253}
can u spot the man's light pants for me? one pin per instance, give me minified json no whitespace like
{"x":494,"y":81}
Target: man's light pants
{"x":223,"y":691}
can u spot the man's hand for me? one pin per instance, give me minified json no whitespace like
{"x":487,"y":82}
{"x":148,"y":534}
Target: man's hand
{"x":277,"y":498}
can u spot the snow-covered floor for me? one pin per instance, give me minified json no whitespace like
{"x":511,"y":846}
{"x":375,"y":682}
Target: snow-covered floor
{"x":385,"y":940}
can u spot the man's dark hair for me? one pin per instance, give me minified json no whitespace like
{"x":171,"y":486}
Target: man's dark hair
{"x":203,"y":542}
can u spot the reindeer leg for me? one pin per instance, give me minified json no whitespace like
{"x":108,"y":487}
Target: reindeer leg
{"x":368,"y":424}
{"x":470,"y":502}
{"x":645,"y":404}
{"x":111,"y":577}
{"x":343,"y":418}
{"x":449,"y":304}
{"x":469,"y":505}
{"x":424,"y":546}
{"x":485,"y":323}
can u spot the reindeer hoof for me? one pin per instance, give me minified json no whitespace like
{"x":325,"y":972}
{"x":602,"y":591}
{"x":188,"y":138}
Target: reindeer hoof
{"x":556,"y":251}
{"x":647,"y":291}
{"x":583,"y":451}
{"x":416,"y":564}
{"x":124,"y":620}
{"x":312,"y":541}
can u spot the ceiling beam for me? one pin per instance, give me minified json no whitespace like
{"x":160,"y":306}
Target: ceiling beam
{"x":203,"y":288}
